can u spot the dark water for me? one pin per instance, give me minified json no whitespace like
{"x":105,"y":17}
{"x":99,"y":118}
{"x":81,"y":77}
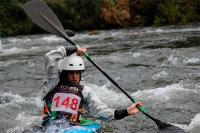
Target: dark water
{"x":159,"y":66}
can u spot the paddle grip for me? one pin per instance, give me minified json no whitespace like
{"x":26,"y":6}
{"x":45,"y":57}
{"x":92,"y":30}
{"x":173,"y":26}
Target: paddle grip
{"x":142,"y":109}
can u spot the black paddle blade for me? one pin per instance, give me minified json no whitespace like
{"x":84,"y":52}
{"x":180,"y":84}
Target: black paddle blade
{"x":165,"y":127}
{"x":36,"y":9}
{"x":168,"y":128}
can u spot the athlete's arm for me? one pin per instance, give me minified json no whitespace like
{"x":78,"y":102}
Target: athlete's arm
{"x":96,"y":106}
{"x":101,"y":110}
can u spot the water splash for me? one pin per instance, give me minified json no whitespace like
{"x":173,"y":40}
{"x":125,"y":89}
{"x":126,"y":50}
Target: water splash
{"x":163,"y":94}
{"x":173,"y":60}
{"x":136,"y":54}
{"x":25,"y":121}
{"x":191,"y":61}
{"x":160,"y":75}
{"x":194,"y":126}
{"x":9,"y":99}
{"x":104,"y":94}
{"x":52,"y":38}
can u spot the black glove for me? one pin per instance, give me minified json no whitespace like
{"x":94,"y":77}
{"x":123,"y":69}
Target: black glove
{"x":119,"y":114}
{"x":70,"y":51}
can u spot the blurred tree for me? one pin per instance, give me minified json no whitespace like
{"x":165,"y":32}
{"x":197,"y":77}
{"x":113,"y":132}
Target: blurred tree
{"x":116,"y":13}
{"x":176,"y":12}
{"x":143,"y":11}
{"x":87,"y":13}
{"x":13,"y":19}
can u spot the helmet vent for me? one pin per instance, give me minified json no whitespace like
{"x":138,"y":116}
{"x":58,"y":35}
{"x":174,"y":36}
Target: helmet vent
{"x":70,"y":64}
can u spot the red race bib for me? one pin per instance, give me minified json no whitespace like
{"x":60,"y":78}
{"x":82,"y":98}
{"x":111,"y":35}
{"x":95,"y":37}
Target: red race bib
{"x":66,"y":102}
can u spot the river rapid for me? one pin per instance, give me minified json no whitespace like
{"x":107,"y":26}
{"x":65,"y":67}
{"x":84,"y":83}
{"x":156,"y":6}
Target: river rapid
{"x":156,"y":65}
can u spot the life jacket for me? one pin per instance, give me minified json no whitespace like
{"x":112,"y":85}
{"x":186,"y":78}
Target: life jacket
{"x":64,"y":102}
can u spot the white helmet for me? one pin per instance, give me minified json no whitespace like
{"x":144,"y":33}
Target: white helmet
{"x":71,"y":63}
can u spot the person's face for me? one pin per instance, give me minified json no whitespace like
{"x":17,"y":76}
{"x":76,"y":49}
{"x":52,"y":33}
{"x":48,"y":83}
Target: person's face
{"x":74,"y":77}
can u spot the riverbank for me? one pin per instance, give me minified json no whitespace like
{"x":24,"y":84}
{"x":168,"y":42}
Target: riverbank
{"x":101,"y":14}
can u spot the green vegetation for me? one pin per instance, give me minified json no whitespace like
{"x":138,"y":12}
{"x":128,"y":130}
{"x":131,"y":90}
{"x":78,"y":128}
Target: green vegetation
{"x":13,"y":20}
{"x":74,"y":14}
{"x":176,"y":12}
{"x":98,"y":14}
{"x":166,"y":12}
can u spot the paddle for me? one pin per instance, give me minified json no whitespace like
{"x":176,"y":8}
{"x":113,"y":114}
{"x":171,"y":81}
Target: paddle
{"x":44,"y":17}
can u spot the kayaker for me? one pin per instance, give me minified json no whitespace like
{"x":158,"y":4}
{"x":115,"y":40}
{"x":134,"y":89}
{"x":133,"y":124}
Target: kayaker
{"x":65,"y":98}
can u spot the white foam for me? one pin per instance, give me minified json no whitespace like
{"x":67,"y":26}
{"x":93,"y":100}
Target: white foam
{"x":136,"y":54}
{"x":105,"y":94}
{"x":7,"y":98}
{"x":17,"y":41}
{"x":25,"y":121}
{"x":191,"y":61}
{"x":173,"y":59}
{"x":114,"y":58}
{"x":160,"y":75}
{"x":162,"y":94}
{"x":7,"y":63}
{"x":14,"y":40}
{"x":182,"y":126}
{"x":36,"y":100}
{"x":160,"y":30}
{"x":16,"y":50}
{"x":85,"y":36}
{"x":52,"y":38}
{"x":26,"y":118}
{"x":181,"y":60}
{"x":189,"y":29}
{"x":194,"y":126}
{"x":143,"y":53}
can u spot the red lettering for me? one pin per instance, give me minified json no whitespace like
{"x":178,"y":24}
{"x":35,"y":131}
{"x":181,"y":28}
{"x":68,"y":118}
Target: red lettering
{"x":74,"y":104}
{"x":66,"y":102}
{"x":57,"y":100}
